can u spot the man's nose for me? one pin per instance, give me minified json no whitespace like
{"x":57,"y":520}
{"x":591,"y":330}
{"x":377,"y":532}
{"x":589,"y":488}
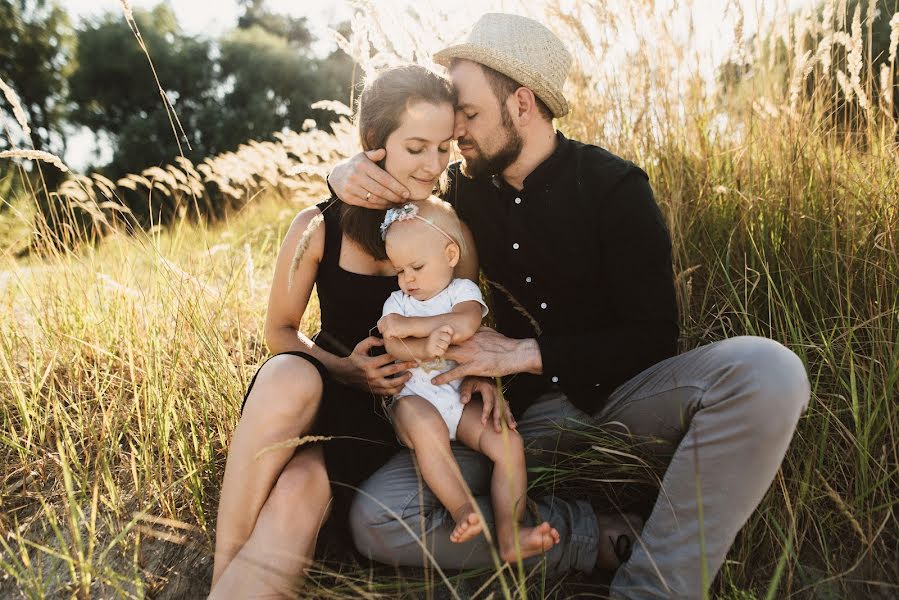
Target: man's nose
{"x":459,"y":126}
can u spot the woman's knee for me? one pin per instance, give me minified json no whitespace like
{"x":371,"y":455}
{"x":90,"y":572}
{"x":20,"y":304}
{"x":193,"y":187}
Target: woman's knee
{"x":302,"y":491}
{"x":287,"y":387}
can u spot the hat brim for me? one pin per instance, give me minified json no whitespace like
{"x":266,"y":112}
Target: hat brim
{"x":550,"y":95}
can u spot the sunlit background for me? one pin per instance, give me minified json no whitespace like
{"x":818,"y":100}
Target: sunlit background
{"x":133,"y":284}
{"x":703,"y":28}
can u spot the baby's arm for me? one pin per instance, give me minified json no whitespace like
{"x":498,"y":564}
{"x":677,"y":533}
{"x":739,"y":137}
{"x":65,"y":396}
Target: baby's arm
{"x":464,"y":320}
{"x":420,"y":338}
{"x":414,"y":349}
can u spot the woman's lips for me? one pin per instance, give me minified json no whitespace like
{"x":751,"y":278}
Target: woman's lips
{"x":424,"y":181}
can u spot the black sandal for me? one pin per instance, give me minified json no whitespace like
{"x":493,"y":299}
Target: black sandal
{"x":623,"y":546}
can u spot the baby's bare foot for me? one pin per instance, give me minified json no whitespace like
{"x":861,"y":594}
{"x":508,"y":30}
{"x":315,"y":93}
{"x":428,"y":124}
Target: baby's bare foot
{"x":468,"y":524}
{"x":531,"y":542}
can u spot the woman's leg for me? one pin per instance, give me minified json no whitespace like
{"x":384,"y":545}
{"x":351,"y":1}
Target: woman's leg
{"x":508,"y":486}
{"x":271,"y":562}
{"x":281,"y":405}
{"x":420,"y":426}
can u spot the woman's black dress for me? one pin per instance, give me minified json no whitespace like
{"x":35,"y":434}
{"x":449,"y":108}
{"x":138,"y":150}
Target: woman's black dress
{"x":351,"y":305}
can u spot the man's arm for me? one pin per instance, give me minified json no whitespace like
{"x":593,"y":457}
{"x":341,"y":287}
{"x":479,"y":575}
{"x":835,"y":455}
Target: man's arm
{"x":638,"y":273}
{"x":645,"y":308}
{"x":490,"y":354}
{"x":359,"y":181}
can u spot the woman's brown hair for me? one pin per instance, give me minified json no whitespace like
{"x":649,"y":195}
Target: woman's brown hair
{"x":380,"y":111}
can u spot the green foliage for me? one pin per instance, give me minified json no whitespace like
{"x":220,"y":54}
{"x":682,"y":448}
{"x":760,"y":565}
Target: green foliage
{"x":258,"y":79}
{"x":35,"y":46}
{"x":112,"y":91}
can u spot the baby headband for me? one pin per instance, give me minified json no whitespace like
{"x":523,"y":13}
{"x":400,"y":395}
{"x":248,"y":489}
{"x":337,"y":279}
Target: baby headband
{"x":407,"y":212}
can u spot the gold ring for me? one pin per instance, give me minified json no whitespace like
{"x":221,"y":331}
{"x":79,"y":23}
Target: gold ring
{"x":368,"y":196}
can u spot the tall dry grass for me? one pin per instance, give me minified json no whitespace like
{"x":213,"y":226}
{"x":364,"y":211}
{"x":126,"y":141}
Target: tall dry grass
{"x":124,"y":363}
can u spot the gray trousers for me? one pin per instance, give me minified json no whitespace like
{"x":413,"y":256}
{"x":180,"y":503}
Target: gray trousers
{"x":727,"y":411}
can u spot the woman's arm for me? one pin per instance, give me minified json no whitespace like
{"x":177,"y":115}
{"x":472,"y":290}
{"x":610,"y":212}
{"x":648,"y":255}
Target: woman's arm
{"x":286,"y":302}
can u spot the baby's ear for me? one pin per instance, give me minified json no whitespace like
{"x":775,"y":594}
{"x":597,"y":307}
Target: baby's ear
{"x":452,"y":254}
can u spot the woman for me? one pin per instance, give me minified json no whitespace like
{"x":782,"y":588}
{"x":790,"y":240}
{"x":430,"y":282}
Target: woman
{"x":272,"y":507}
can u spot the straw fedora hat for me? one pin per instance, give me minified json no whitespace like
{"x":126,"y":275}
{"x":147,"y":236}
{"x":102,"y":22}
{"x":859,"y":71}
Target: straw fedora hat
{"x":520,"y":48}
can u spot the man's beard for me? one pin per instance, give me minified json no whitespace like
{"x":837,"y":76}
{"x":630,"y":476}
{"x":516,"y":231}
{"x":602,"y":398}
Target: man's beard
{"x":480,"y":165}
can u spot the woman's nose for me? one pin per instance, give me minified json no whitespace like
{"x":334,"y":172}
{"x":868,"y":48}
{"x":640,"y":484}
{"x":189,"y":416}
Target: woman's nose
{"x":434,"y":165}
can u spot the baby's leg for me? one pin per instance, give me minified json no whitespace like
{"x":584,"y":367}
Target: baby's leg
{"x":422,"y":429}
{"x":508,"y":486}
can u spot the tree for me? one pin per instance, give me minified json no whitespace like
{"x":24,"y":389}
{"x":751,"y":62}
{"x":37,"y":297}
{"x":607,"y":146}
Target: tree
{"x":36,"y":43}
{"x":114,"y":88}
{"x":256,"y":80}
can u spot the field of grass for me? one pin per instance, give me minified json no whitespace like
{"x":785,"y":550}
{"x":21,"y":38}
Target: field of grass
{"x":123,"y":361}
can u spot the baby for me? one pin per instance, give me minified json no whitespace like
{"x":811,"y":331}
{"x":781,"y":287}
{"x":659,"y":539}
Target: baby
{"x":431,"y":311}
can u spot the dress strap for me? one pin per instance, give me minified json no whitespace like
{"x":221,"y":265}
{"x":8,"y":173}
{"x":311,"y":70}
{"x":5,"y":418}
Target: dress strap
{"x":330,"y":210}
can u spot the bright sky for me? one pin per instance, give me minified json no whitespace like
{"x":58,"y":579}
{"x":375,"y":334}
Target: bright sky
{"x":712,"y":22}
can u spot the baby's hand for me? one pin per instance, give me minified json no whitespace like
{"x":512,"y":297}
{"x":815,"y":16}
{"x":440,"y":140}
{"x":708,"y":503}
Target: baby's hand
{"x":392,"y":325}
{"x":439,"y":340}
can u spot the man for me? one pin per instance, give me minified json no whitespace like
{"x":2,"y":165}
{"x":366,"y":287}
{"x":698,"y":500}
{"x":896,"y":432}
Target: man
{"x":579,"y":262}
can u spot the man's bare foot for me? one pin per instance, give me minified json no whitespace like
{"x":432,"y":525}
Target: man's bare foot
{"x":617,"y":537}
{"x":531,"y":542}
{"x":468,"y":524}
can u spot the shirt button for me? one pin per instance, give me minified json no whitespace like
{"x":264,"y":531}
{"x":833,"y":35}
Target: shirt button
{"x":527,"y":279}
{"x":517,"y":200}
{"x":555,"y":379}
{"x":515,"y":245}
{"x":543,"y":305}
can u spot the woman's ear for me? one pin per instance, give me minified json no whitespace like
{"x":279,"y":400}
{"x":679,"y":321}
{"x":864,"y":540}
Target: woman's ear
{"x":453,"y":254}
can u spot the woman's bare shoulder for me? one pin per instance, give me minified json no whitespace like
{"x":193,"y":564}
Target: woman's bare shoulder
{"x":308,"y":229}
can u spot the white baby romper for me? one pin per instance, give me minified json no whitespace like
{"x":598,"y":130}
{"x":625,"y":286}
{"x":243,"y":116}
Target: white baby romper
{"x":445,"y":398}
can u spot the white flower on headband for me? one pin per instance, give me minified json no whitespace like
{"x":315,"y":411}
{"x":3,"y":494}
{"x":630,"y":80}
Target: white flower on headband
{"x":403,"y":213}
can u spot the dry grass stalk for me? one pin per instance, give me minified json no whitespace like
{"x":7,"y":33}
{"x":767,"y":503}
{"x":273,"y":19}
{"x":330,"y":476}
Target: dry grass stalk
{"x":894,"y":37}
{"x":17,"y":110}
{"x":35,"y":155}
{"x":844,"y":510}
{"x":517,"y":306}
{"x":293,"y":443}
{"x":302,"y":245}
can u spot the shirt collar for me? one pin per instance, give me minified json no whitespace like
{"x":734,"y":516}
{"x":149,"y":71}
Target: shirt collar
{"x":545,"y":171}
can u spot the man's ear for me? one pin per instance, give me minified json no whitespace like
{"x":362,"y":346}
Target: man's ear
{"x":524,"y":105}
{"x":452,"y":254}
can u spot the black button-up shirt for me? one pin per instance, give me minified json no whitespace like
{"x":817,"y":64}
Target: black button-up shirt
{"x":579,"y":259}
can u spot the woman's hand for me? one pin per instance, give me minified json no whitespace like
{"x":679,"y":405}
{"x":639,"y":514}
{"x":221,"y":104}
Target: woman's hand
{"x":495,"y":407}
{"x":370,"y":373}
{"x":361,"y":182}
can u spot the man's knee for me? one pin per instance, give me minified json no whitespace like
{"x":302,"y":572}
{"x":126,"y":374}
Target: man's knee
{"x":370,"y":519}
{"x":779,"y":380}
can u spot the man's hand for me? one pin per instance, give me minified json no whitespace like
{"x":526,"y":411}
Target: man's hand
{"x":494,"y":404}
{"x":490,"y":354}
{"x":361,"y":182}
{"x":439,"y":340}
